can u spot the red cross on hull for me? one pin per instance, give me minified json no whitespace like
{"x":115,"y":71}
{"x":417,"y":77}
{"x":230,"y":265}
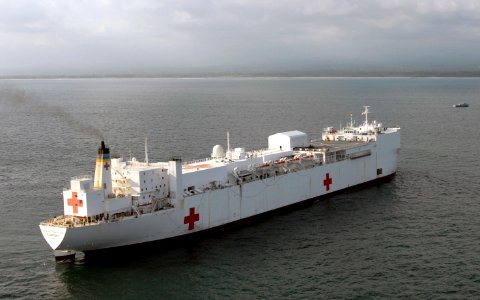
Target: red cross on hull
{"x":75,"y":202}
{"x":191,"y":219}
{"x":327,"y":181}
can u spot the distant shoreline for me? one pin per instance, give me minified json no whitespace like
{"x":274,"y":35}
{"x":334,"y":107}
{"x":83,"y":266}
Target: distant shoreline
{"x":293,"y":74}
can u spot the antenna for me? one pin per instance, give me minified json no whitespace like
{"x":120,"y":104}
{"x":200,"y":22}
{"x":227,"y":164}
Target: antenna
{"x":229,"y":152}
{"x":228,"y":141}
{"x":365,"y":112}
{"x":146,"y":150}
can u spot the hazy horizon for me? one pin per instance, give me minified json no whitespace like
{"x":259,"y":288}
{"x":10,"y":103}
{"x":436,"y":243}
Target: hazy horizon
{"x":238,"y":37}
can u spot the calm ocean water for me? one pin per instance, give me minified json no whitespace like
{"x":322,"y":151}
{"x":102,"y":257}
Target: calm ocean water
{"x":417,"y":237}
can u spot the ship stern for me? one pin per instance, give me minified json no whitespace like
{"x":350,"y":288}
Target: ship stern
{"x":54,"y":235}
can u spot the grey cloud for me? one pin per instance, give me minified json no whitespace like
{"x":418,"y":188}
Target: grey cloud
{"x":101,"y":37}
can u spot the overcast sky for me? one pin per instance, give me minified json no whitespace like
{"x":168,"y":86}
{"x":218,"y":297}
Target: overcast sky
{"x":71,"y":37}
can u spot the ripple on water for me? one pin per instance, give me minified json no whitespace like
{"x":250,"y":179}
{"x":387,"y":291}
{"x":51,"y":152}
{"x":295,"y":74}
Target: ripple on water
{"x":414,"y":238}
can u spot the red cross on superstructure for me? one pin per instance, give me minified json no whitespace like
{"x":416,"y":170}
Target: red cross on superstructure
{"x":106,"y":166}
{"x":327,"y":181}
{"x":191,"y":219}
{"x":75,"y":202}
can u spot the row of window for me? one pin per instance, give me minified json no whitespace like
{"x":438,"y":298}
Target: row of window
{"x":151,"y":180}
{"x":163,"y":170}
{"x":156,"y":187}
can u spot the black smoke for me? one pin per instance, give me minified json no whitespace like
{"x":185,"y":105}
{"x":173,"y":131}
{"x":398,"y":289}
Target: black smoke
{"x":19,"y":98}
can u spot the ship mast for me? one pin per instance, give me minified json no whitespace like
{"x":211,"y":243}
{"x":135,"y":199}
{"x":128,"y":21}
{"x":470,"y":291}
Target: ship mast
{"x":146,"y":150}
{"x":229,"y":150}
{"x":365,"y":112}
{"x":228,"y":141}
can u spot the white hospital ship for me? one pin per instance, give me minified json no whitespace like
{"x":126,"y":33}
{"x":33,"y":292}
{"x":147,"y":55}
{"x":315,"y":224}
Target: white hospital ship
{"x":129,"y":202}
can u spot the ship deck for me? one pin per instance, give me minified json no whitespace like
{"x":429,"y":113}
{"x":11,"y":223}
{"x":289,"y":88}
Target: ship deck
{"x":203,"y":165}
{"x":210,"y":163}
{"x":336,"y":145}
{"x":315,"y":146}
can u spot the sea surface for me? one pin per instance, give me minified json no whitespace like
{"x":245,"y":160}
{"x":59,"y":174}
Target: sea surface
{"x":417,"y":237}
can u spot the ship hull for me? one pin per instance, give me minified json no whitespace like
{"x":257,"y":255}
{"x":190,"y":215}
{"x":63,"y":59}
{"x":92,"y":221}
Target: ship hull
{"x":193,"y":237}
{"x":234,"y":205}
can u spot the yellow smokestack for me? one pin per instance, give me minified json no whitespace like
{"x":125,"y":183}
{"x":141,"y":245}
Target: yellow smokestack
{"x":103,"y":174}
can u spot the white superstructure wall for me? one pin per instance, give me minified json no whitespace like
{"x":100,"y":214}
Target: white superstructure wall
{"x":175,"y":179}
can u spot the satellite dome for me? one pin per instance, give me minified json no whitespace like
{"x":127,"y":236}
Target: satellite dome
{"x":218,"y":152}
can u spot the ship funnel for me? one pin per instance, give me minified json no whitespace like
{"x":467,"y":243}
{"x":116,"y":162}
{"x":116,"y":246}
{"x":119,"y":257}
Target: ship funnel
{"x":103,"y":174}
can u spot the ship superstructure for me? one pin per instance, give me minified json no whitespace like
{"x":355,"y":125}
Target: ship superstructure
{"x":130,"y":202}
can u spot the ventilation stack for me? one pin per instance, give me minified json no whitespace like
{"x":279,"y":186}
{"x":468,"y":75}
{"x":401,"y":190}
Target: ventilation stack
{"x":103,"y":174}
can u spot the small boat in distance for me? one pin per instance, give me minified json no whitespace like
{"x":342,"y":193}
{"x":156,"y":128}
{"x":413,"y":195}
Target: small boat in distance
{"x":460,"y":105}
